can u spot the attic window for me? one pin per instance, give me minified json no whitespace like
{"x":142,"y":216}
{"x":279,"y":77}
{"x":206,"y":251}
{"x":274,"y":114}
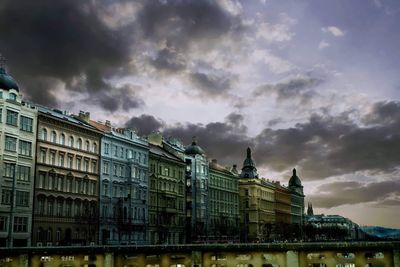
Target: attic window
{"x":13,"y":97}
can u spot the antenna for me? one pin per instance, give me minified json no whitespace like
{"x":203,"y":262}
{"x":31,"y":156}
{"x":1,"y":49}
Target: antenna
{"x":3,"y":61}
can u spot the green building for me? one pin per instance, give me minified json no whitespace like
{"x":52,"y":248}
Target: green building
{"x":167,"y":194}
{"x":223,"y":203}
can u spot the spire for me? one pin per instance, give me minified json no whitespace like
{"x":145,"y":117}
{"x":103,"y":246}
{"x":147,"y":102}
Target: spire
{"x":310,"y":211}
{"x":194,"y":140}
{"x":248,"y":153}
{"x":294,"y":171}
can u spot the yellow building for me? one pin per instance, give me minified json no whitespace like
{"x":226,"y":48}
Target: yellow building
{"x":257,"y":204}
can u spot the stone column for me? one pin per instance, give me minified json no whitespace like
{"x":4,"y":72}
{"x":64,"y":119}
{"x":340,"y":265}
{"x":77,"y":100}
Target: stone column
{"x":109,"y":259}
{"x":292,"y":258}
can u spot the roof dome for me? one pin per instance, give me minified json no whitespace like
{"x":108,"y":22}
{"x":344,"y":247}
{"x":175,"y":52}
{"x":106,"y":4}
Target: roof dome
{"x":194,"y":149}
{"x":6,"y":81}
{"x":294,"y":180}
{"x":249,"y":169}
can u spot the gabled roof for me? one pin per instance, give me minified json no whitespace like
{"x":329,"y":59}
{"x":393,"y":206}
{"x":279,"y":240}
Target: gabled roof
{"x":159,"y":151}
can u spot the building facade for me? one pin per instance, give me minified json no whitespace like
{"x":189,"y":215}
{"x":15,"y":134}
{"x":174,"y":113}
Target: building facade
{"x":197,"y":194}
{"x":18,"y":121}
{"x":124,"y":186}
{"x":67,"y":180}
{"x":223,"y":204}
{"x":257,"y":204}
{"x":297,"y":199}
{"x":167,"y":194}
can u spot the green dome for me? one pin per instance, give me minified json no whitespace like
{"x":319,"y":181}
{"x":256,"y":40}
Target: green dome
{"x":294,"y":180}
{"x":194,"y":149}
{"x":6,"y":81}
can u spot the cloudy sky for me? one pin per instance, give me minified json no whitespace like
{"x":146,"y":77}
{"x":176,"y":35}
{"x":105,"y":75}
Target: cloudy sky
{"x":306,"y":83}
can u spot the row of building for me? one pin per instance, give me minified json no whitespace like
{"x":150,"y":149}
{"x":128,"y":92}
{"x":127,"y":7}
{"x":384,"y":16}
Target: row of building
{"x":66,"y":179}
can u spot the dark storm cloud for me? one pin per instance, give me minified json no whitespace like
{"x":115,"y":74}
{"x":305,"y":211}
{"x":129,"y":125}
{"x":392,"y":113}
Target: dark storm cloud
{"x":168,"y":59}
{"x":341,"y":193}
{"x":298,"y":88}
{"x":180,"y":23}
{"x":226,"y":141}
{"x":145,"y":124}
{"x":329,"y":145}
{"x":123,"y":98}
{"x":59,"y":41}
{"x":321,"y":147}
{"x":211,"y":84}
{"x":386,"y":112}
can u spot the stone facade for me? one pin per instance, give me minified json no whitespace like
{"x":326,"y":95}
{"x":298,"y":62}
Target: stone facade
{"x":167,"y":194}
{"x":124,"y":186}
{"x":18,"y":121}
{"x":67,"y":180}
{"x":223,"y":204}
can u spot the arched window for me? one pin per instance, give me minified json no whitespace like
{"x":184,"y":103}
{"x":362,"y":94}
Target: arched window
{"x":79,"y":143}
{"x":71,"y":141}
{"x":62,"y":139}
{"x":94,"y":147}
{"x":44,"y":134}
{"x":87,"y":145}
{"x":53,"y":137}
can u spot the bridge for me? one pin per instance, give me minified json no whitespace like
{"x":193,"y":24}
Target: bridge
{"x":343,"y":254}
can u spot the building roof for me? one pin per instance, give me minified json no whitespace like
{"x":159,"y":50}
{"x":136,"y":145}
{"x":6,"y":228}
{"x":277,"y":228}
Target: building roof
{"x":215,"y":166}
{"x":100,"y":126}
{"x":6,"y":81}
{"x":194,"y":149}
{"x":58,"y":114}
{"x":159,"y":151}
{"x":295,"y":180}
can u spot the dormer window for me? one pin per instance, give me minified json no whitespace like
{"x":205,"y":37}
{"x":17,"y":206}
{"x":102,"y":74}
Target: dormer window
{"x":12,"y":97}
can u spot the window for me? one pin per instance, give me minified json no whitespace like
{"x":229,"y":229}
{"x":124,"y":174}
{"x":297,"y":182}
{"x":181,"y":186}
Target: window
{"x":105,"y":167}
{"x":12,"y":118}
{"x":1,"y":113}
{"x":86,"y":165}
{"x":79,"y":143}
{"x":68,"y":209}
{"x":53,"y":137}
{"x":10,"y":143}
{"x":22,"y":199}
{"x":9,"y":169}
{"x":94,"y":166}
{"x":105,"y":189}
{"x":59,"y":208}
{"x":61,"y":160}
{"x":20,"y":224}
{"x":94,"y":148}
{"x":62,"y":139}
{"x":70,"y":161}
{"x":71,"y":141}
{"x":115,"y":169}
{"x":78,"y":163}
{"x":43,"y":156}
{"x":6,"y":196}
{"x":60,"y":183}
{"x":53,"y":158}
{"x":25,"y":148}
{"x":121,"y":153}
{"x":26,"y":124}
{"x":50,"y":207}
{"x":44,"y":134}
{"x":87,"y":145}
{"x":12,"y":97}
{"x":24,"y":173}
{"x":3,"y":224}
{"x":106,"y":148}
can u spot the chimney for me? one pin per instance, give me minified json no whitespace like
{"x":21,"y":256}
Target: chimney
{"x":108,"y":123}
{"x":84,"y":116}
{"x":214,"y":161}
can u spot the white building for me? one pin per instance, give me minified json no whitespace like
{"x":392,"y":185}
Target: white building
{"x":18,"y":121}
